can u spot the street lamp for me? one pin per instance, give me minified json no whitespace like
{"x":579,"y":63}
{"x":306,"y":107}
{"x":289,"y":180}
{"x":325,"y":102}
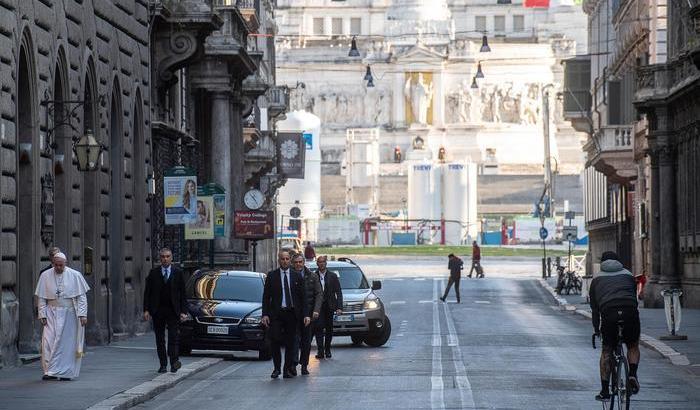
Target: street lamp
{"x":87,"y":151}
{"x":354,"y":52}
{"x":368,"y":74}
{"x":474,"y":84}
{"x":479,"y":73}
{"x":485,"y":45}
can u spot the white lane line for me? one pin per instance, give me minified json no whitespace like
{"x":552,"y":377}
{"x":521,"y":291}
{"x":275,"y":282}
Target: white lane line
{"x":466,"y":396}
{"x":397,"y":302}
{"x":427,"y":301}
{"x":485,"y":302}
{"x":198,"y":387}
{"x":420,"y":279}
{"x":437,"y":396}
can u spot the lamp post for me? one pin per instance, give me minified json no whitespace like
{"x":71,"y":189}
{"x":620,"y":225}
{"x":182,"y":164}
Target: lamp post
{"x":87,"y":151}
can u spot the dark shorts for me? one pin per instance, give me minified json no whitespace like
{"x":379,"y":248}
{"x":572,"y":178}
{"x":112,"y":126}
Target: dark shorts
{"x":630,"y":331}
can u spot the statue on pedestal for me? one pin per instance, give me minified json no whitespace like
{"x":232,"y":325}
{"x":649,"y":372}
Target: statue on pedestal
{"x":420,"y":97}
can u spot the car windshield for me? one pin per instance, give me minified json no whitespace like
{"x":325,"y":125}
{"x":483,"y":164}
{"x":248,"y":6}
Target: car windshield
{"x":351,"y":277}
{"x":222,"y":287}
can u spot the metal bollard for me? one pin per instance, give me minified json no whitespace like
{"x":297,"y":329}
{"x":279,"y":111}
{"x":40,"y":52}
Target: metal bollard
{"x":544,"y":268}
{"x":672,"y":307}
{"x":549,"y":267}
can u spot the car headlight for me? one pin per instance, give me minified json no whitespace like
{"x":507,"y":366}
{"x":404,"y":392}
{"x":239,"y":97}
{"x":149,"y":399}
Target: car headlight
{"x":371,"y":304}
{"x":252,"y":320}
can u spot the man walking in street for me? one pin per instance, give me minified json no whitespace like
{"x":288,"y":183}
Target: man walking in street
{"x":164,"y":302}
{"x":613,"y":298}
{"x":332,"y":304}
{"x":61,"y":293}
{"x":313,"y":293}
{"x":283,"y":307}
{"x":455,"y":266}
{"x":309,"y":252}
{"x":476,"y":260}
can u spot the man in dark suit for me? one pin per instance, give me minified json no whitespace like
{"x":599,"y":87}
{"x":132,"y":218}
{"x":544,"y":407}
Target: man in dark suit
{"x":313,"y":294}
{"x":164,"y":302}
{"x":332,"y":304}
{"x":283,"y":307}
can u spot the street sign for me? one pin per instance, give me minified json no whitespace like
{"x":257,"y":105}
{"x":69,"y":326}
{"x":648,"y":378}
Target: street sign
{"x":295,"y":212}
{"x":543,"y":233}
{"x":570,"y":215}
{"x":570,"y":233}
{"x":180,"y":196}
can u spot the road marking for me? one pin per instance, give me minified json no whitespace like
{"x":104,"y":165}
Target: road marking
{"x":397,"y":302}
{"x":198,"y":387}
{"x":420,"y":279}
{"x":427,"y":301}
{"x":486,"y":302}
{"x":466,"y":396}
{"x":437,"y":396}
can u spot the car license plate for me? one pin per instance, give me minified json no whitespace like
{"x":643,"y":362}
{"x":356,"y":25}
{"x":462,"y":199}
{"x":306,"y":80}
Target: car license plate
{"x":217,"y":330}
{"x":344,"y":318}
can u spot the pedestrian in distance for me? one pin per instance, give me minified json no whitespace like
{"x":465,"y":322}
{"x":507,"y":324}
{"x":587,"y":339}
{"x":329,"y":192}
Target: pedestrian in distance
{"x":455,"y":265}
{"x":476,"y":261}
{"x":332,"y":303}
{"x":52,"y":252}
{"x":313,"y":293}
{"x":62,"y":299}
{"x":613,"y":298}
{"x":283,"y":307}
{"x":309,"y":252}
{"x":164,"y":302}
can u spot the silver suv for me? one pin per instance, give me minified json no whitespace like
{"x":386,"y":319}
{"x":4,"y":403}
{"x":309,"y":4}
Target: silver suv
{"x":363,"y":317}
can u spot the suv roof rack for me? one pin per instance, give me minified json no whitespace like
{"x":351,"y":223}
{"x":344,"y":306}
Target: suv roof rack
{"x":348,"y":260}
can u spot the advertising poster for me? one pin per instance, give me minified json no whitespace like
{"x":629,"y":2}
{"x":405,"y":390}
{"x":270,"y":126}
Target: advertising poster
{"x":291,"y":154}
{"x":219,"y":215}
{"x":180,"y":196}
{"x":254,"y":225}
{"x":203,"y":226}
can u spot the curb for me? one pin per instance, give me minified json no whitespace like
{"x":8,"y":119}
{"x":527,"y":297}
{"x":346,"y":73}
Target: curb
{"x":645,"y":340}
{"x":148,"y":390}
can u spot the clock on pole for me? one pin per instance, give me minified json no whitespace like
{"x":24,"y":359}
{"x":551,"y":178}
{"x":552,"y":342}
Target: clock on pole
{"x":254,"y":199}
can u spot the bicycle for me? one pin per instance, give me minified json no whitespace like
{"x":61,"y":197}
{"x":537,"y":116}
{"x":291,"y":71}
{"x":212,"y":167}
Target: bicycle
{"x":568,"y":282}
{"x":619,"y":370}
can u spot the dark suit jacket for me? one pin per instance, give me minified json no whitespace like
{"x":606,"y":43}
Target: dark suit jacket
{"x":272,"y":295}
{"x":332,"y":294}
{"x":154,"y":285}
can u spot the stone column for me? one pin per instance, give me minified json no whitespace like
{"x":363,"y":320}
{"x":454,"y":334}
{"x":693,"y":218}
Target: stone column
{"x":221,"y":156}
{"x":654,"y":220}
{"x":667,"y":207}
{"x":438,"y":99}
{"x":399,"y":106}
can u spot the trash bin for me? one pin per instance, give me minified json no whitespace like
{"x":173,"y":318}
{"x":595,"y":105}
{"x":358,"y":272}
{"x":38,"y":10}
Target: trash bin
{"x":672,"y":307}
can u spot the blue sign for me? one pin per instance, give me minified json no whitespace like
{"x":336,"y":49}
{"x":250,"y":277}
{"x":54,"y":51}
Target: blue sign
{"x":309,"y":141}
{"x":543,"y":233}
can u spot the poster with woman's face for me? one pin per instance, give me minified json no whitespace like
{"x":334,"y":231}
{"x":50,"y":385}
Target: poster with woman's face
{"x":203,"y":225}
{"x":180,"y":199}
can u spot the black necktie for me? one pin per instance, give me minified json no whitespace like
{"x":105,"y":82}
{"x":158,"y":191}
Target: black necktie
{"x":287,"y":293}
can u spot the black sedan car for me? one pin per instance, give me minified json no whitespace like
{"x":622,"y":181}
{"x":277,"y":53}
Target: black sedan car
{"x":225,"y":309}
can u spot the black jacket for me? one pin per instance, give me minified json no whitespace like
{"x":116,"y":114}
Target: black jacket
{"x":272,"y":295}
{"x":154,"y":285}
{"x":312,"y":290}
{"x":613,"y":287}
{"x":332,"y":294}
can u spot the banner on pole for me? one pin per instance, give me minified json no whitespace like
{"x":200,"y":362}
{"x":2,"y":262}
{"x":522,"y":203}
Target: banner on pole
{"x":254,"y":225}
{"x":180,"y":195}
{"x":211,"y":202}
{"x":291,"y":150}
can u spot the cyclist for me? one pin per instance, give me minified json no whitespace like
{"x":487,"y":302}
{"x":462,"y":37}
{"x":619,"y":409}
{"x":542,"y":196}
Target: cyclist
{"x":613,"y":297}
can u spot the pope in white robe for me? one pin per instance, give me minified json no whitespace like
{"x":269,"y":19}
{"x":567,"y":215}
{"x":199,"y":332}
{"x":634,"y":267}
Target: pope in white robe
{"x":62,"y":299}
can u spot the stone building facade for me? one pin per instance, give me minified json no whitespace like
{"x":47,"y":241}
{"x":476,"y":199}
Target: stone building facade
{"x":87,"y":64}
{"x":164,"y":83}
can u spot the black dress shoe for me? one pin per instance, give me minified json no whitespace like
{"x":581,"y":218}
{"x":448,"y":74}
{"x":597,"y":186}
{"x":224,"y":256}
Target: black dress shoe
{"x":442,"y":298}
{"x":328,"y":354}
{"x":319,"y":355}
{"x":292,"y":371}
{"x":175,"y":366}
{"x":275,"y":374}
{"x":163,"y":369}
{"x":64,"y":379}
{"x":47,"y":377}
{"x":287,"y":375}
{"x":304,"y":371}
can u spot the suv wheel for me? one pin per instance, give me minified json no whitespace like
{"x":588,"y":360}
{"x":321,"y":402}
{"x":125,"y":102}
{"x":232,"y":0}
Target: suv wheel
{"x":357,"y":340}
{"x":380,"y":338}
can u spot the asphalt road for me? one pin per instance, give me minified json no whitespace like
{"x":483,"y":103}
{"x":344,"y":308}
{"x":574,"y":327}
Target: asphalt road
{"x":503,"y":347}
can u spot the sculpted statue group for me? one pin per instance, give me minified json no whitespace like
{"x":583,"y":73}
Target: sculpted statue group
{"x":507,"y":103}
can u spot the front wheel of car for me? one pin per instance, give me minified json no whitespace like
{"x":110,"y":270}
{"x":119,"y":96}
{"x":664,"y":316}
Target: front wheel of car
{"x":379,"y":339}
{"x":264,"y":354}
{"x":357,"y":340}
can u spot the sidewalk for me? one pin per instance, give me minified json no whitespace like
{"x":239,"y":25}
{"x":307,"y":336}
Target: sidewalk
{"x":106,"y":371}
{"x":684,"y":353}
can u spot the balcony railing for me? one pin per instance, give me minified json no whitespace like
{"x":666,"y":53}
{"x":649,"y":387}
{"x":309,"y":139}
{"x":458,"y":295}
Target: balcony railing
{"x":617,"y":138}
{"x":247,"y":8}
{"x":277,"y":100}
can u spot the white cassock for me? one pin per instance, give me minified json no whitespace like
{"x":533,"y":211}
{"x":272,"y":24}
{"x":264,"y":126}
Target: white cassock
{"x":62,"y":300}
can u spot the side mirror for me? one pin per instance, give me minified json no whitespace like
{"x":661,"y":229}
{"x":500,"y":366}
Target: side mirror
{"x":376,"y":284}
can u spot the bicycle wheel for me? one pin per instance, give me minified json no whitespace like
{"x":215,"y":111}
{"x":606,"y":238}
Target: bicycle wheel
{"x":621,"y":382}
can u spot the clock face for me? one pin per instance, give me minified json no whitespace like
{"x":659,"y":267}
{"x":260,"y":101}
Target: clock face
{"x":254,"y":199}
